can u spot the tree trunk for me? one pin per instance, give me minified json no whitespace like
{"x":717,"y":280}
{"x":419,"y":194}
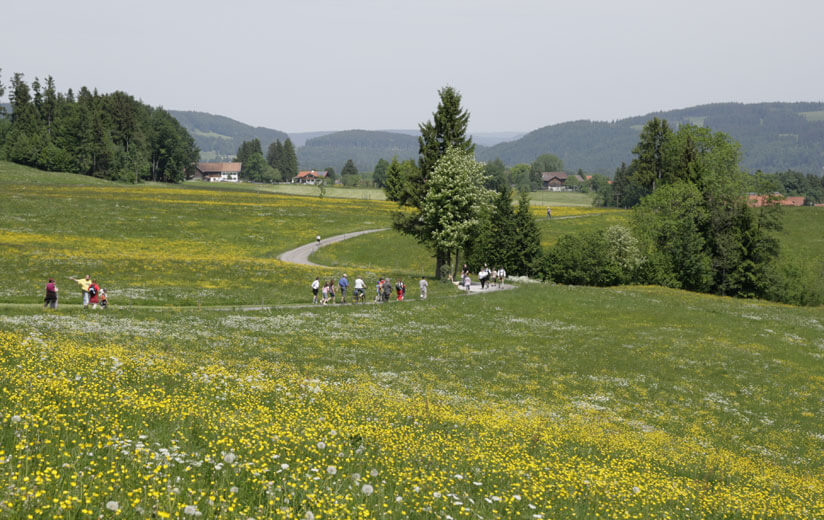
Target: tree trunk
{"x":457,"y":261}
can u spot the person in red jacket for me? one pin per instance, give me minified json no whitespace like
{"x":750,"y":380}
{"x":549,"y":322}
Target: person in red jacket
{"x":94,"y":294}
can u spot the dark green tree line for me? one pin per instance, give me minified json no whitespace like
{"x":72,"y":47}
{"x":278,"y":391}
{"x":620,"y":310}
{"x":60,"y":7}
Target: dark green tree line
{"x":112,"y":136}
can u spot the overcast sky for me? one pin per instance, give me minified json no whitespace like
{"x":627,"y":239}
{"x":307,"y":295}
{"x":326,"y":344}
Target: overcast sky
{"x":333,"y":65}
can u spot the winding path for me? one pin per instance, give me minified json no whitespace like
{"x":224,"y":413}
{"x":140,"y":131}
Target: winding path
{"x":300,"y":255}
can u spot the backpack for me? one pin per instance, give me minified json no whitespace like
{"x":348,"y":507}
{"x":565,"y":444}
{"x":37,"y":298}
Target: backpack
{"x":92,"y":290}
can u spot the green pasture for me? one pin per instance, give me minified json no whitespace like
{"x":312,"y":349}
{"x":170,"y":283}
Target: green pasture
{"x":545,"y":401}
{"x":563,"y":402}
{"x":165,"y":245}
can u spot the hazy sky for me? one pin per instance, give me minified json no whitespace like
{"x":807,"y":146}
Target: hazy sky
{"x":333,"y":65}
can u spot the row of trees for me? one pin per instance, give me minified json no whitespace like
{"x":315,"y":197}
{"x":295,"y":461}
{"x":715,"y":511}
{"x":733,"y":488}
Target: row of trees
{"x":691,"y":225}
{"x":449,"y":202}
{"x":112,"y":136}
{"x":280,"y":163}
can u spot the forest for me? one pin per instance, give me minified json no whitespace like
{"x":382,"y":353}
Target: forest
{"x":111,"y":136}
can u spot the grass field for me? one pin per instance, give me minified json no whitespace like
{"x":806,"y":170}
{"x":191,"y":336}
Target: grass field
{"x":545,"y":401}
{"x":538,"y":198}
{"x":163,"y":245}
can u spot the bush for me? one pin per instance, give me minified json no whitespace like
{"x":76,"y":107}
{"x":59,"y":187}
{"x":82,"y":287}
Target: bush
{"x":599,"y":258}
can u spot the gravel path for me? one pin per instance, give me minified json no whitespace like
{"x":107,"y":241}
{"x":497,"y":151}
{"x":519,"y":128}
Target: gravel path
{"x":300,"y":255}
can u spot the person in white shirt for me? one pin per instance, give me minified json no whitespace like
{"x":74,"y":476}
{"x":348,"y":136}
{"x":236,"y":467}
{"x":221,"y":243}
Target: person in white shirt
{"x":315,"y":287}
{"x":424,"y":285}
{"x":360,"y":289}
{"x":501,"y":276}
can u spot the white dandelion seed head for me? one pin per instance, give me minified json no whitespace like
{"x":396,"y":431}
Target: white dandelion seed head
{"x":233,"y":490}
{"x":16,"y":419}
{"x":399,"y":499}
{"x":321,"y":445}
{"x":436,"y":494}
{"x":356,"y":476}
{"x":111,"y":505}
{"x":367,"y":489}
{"x":332,"y":433}
{"x":190,"y":510}
{"x":635,"y":490}
{"x":309,"y":515}
{"x":229,"y":458}
{"x":331,"y":470}
{"x":374,"y":473}
{"x":284,"y":466}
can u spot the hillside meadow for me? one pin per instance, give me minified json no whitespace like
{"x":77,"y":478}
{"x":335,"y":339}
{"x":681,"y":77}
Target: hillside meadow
{"x":544,"y":401}
{"x":155,"y":244}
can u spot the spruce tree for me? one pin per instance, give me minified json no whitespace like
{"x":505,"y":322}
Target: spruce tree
{"x":527,"y":243}
{"x":290,"y":160}
{"x":446,"y":130}
{"x":274,"y":155}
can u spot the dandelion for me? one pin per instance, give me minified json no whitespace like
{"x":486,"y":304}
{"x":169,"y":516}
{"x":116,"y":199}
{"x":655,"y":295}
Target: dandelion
{"x":367,"y":489}
{"x":16,"y":419}
{"x":111,"y":505}
{"x":331,"y":470}
{"x":229,"y":458}
{"x":436,"y":494}
{"x":635,"y":490}
{"x":321,"y":445}
{"x":398,"y":499}
{"x":309,"y":515}
{"x":374,"y":473}
{"x":356,"y":476}
{"x":233,"y":490}
{"x":190,"y":510}
{"x":284,"y":466}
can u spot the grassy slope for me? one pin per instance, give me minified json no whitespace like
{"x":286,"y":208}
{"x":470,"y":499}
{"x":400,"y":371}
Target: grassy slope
{"x":548,"y":400}
{"x":154,"y":244}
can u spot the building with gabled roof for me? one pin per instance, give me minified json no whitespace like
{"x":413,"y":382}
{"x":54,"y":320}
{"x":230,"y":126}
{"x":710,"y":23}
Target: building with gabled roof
{"x":309,"y":177}
{"x":218,"y":171}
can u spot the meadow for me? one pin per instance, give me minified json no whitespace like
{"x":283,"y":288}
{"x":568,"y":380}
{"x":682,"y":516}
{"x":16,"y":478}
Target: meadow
{"x":156,"y":244}
{"x":545,"y":401}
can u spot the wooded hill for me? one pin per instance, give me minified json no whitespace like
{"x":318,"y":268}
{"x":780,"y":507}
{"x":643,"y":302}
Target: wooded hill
{"x":364,"y":147}
{"x":773,"y":136}
{"x":219,"y":137}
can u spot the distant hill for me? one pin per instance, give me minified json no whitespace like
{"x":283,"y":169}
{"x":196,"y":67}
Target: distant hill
{"x":773,"y":137}
{"x":219,"y":137}
{"x":364,"y":147}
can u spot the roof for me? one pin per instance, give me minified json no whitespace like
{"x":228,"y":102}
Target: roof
{"x":548,"y":176}
{"x":757,"y":201}
{"x":219,"y":167}
{"x":310,"y":173}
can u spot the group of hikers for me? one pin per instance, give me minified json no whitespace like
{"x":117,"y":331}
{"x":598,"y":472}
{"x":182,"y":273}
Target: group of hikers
{"x":383,"y":290}
{"x":93,"y":294}
{"x":486,"y":276}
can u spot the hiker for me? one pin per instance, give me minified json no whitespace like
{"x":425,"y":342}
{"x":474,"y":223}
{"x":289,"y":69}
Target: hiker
{"x":387,"y":290}
{"x":94,"y":294}
{"x":424,"y":285}
{"x":501,"y":276}
{"x":360,"y":288}
{"x":315,"y":287}
{"x":104,"y":299}
{"x":84,"y":284}
{"x":343,"y":283}
{"x":51,"y":295}
{"x":467,"y":282}
{"x":483,"y":276}
{"x":379,"y":290}
{"x":548,"y":213}
{"x":332,"y":290}
{"x":400,"y":288}
{"x":325,"y":293}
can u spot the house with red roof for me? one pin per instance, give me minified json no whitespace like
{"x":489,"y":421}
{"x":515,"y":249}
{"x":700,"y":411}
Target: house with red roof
{"x":757,"y":201}
{"x":218,"y":171}
{"x":309,"y":177}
